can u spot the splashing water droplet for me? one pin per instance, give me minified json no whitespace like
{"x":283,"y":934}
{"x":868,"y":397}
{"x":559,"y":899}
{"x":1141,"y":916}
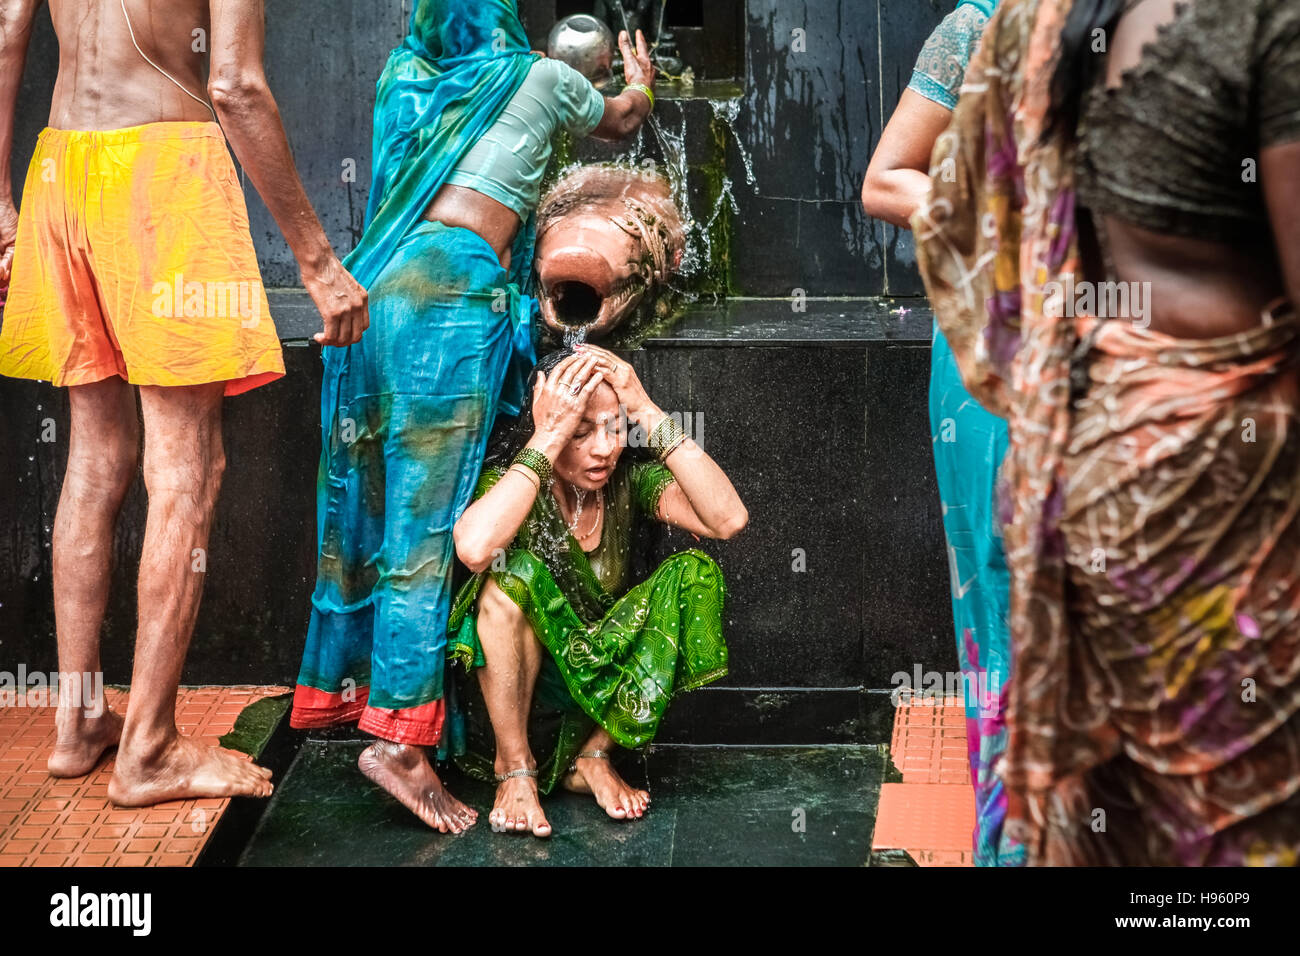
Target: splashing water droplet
{"x":728,"y":111}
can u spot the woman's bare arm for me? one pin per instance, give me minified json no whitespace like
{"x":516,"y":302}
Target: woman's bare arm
{"x":1279,"y":168}
{"x":702,"y":500}
{"x":625,"y":113}
{"x":898,"y":177}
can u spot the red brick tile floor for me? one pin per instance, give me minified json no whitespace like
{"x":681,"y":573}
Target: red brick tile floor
{"x":931,"y":814}
{"x":49,"y":822}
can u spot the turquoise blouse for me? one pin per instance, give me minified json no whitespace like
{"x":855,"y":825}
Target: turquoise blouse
{"x":941,"y":67}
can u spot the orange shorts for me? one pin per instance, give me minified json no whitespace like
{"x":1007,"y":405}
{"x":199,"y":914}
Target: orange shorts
{"x":134,"y":259}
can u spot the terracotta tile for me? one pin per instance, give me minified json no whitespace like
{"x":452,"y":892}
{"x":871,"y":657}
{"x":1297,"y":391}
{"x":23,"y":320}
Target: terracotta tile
{"x":931,"y":814}
{"x":70,"y":821}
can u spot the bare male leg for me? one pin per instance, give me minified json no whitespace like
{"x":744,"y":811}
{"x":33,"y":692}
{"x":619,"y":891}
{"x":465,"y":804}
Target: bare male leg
{"x":183,"y":464}
{"x":102,"y":457}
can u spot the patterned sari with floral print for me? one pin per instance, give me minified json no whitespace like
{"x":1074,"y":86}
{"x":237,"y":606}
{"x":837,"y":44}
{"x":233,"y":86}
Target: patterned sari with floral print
{"x":1150,"y":502}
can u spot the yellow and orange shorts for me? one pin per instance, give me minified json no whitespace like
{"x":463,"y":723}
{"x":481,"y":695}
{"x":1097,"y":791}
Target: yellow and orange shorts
{"x":134,"y":259}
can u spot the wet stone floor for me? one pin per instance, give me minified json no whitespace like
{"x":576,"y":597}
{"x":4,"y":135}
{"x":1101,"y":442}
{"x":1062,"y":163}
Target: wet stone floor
{"x":768,"y":806}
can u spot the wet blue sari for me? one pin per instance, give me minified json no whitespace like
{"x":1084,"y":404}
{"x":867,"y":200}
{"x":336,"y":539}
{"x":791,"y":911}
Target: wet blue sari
{"x":406,"y":412}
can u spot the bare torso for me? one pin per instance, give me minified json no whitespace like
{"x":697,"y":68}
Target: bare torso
{"x":1199,"y":288}
{"x":494,"y":222}
{"x":104,"y":82}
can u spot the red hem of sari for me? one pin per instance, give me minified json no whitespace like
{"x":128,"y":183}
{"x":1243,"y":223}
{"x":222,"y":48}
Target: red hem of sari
{"x":314,"y":708}
{"x":419,"y":726}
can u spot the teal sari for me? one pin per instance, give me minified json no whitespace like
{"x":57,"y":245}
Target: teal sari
{"x":969,"y":444}
{"x":406,"y":412}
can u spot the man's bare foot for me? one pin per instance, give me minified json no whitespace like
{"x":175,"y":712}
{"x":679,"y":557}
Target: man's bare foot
{"x":596,"y":776}
{"x":517,"y":808}
{"x":182,"y":769}
{"x":405,"y":772}
{"x":81,"y":741}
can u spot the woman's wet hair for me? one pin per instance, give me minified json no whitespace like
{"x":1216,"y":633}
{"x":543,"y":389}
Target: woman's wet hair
{"x":1077,"y":63}
{"x":511,"y":434}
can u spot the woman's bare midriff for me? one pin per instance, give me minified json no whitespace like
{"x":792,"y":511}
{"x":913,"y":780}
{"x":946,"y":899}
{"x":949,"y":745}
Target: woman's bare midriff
{"x":1192,"y":288}
{"x":482,"y":215}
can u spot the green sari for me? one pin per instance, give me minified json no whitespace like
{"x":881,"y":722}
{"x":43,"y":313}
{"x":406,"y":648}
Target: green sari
{"x":617,"y":655}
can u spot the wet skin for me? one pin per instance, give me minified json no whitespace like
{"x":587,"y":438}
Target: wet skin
{"x":576,"y":409}
{"x":497,"y":223}
{"x":103,"y":83}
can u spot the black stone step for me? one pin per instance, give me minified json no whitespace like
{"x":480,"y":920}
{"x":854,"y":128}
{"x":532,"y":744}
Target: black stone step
{"x":755,"y":806}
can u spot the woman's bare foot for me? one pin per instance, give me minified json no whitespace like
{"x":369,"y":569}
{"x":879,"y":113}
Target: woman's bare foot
{"x":184,"y":768}
{"x":518,"y":808}
{"x":405,"y":772}
{"x":596,"y":776}
{"x":81,"y":741}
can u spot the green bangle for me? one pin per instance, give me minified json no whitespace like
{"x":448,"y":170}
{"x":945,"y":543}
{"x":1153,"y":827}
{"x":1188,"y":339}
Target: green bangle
{"x":536,"y":462}
{"x":666,"y":436}
{"x":644,"y":89}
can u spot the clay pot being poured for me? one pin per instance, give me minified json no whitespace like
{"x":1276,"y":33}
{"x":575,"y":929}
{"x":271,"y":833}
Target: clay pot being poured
{"x":607,"y":237}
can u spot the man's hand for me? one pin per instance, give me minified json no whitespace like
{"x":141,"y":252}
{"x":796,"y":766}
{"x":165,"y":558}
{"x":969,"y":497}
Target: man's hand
{"x":342,"y":302}
{"x":8,"y":236}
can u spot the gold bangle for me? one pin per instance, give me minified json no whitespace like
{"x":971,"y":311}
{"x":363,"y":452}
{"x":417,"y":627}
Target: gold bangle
{"x":644,"y":89}
{"x":666,"y":436}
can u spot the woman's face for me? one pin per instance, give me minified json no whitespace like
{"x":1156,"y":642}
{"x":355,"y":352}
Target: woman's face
{"x":591,"y":454}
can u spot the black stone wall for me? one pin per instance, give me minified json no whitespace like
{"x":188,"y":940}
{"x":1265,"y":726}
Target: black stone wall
{"x":818,"y":78}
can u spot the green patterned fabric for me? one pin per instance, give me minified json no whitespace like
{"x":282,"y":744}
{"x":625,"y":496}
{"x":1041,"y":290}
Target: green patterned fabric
{"x":618,"y":655}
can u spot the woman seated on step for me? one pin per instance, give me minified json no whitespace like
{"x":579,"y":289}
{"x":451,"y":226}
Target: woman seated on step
{"x":550,"y":614}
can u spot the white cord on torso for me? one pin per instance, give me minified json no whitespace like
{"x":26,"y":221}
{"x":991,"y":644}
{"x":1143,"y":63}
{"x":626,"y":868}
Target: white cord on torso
{"x":179,"y":85}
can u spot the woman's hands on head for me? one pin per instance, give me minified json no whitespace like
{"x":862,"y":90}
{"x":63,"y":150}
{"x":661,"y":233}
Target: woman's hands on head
{"x":560,"y":399}
{"x":622,"y":377}
{"x":637,"y":66}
